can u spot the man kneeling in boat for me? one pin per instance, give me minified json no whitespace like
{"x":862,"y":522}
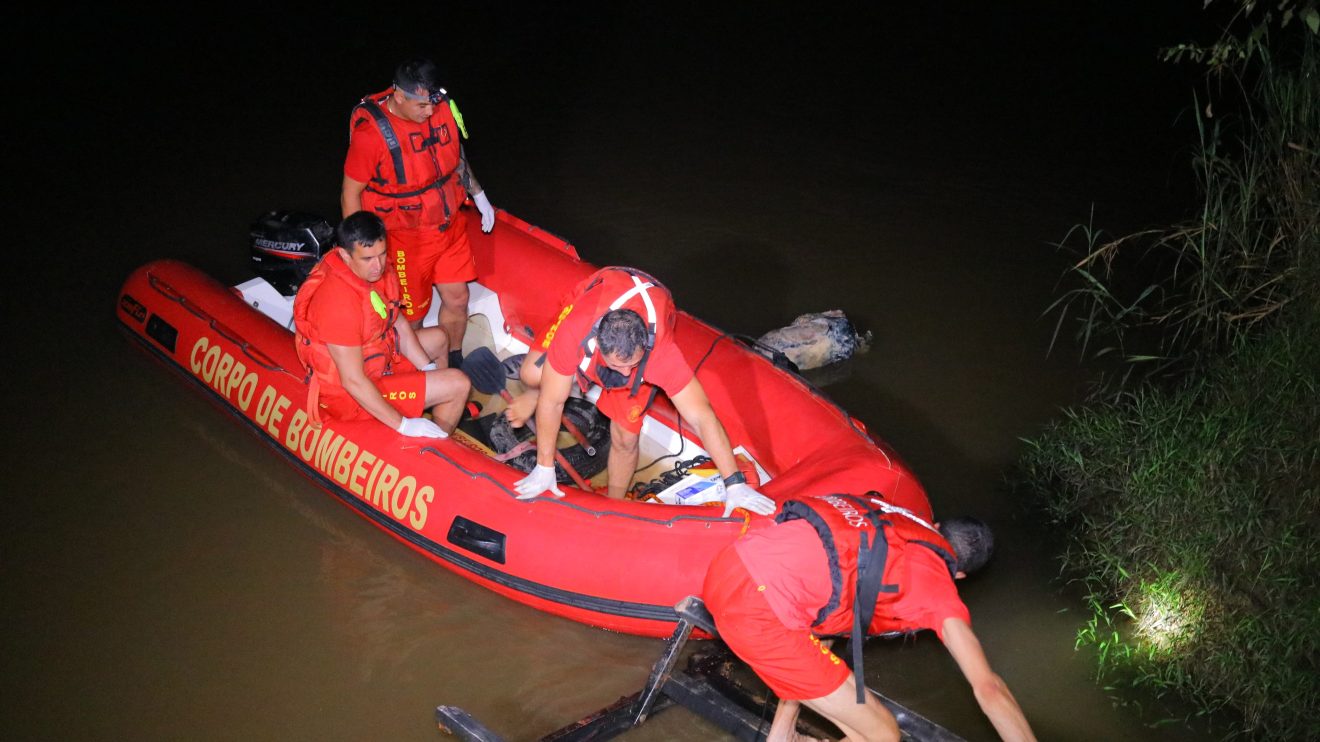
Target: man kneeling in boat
{"x":838,"y":564}
{"x":362,"y":355}
{"x":616,"y":331}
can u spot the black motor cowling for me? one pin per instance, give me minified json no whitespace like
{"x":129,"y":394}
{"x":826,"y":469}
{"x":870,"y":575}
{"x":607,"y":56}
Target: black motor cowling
{"x":286,"y":245}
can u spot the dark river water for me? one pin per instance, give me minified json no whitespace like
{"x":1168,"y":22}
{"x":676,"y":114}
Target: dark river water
{"x":166,"y":577}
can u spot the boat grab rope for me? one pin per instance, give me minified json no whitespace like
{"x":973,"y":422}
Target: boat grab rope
{"x":258,"y":357}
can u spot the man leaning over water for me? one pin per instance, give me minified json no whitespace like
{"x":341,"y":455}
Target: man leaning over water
{"x":775,"y":592}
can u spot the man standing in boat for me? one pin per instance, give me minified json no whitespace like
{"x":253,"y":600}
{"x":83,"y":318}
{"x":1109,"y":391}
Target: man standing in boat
{"x":406,"y":164}
{"x":844,"y":564}
{"x":616,"y":331}
{"x":363,"y":355}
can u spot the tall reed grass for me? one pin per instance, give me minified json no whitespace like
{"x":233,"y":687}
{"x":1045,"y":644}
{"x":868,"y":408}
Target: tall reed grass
{"x":1188,"y":487}
{"x":1167,"y":298}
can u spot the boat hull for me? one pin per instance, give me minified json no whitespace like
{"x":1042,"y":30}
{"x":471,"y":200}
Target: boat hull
{"x":616,"y":565}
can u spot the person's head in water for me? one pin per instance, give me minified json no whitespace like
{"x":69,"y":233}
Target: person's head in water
{"x":415,"y":83}
{"x":362,"y":237}
{"x":622,"y":338}
{"x":972,"y":542}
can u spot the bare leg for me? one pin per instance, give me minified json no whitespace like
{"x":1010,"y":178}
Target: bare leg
{"x":454,"y":311}
{"x":784,"y":726}
{"x":868,"y":722}
{"x":522,"y":407}
{"x":435,"y":343}
{"x":622,"y":460}
{"x":446,"y":393}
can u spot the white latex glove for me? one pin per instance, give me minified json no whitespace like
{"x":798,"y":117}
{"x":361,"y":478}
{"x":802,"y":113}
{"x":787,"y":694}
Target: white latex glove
{"x":542,"y":479}
{"x":420,"y":427}
{"x":742,"y":495}
{"x":487,"y":211}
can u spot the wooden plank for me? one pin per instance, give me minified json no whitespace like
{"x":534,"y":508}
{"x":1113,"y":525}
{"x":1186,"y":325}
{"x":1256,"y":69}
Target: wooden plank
{"x":607,"y":723}
{"x":699,"y":697}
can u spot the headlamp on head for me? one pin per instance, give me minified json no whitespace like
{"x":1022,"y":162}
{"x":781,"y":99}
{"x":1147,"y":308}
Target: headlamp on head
{"x":434,"y":97}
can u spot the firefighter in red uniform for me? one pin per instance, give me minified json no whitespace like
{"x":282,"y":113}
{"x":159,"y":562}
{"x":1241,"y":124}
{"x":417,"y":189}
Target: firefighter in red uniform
{"x":406,"y":164}
{"x":363,"y":357}
{"x":616,"y":331}
{"x":844,"y":564}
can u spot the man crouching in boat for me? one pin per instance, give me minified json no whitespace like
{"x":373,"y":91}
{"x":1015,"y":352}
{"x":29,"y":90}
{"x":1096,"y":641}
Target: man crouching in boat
{"x":838,"y":564}
{"x":362,"y":355}
{"x":616,"y":331}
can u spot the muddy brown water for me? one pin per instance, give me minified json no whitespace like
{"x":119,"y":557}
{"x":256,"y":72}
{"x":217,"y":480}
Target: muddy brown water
{"x":168,"y":577}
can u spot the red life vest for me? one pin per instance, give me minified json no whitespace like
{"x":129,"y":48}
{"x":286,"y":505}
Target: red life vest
{"x":866,"y":540}
{"x":418,"y":188}
{"x":379,"y":338}
{"x":623,"y":288}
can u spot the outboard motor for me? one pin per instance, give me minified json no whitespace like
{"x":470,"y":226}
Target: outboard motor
{"x":286,"y":245}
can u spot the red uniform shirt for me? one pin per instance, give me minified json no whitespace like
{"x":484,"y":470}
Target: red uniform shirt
{"x":666,"y":367}
{"x":794,"y":570}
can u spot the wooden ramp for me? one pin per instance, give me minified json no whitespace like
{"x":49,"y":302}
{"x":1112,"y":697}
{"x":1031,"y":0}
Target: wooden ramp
{"x":701,"y":689}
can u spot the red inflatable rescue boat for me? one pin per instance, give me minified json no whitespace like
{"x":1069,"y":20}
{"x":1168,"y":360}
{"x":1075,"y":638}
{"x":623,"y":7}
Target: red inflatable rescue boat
{"x":619,"y":565}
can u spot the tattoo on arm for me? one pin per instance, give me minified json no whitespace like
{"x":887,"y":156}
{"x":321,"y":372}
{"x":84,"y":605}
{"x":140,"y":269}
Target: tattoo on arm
{"x":465,"y":176}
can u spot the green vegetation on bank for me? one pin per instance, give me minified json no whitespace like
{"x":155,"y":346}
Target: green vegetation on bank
{"x":1188,"y":487}
{"x":1192,"y":515}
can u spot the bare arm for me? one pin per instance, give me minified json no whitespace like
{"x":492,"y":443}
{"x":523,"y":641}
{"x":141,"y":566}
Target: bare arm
{"x":550,"y":412}
{"x":409,"y":346}
{"x":694,"y":406}
{"x":466,"y":178}
{"x":352,"y":374}
{"x":992,"y":694}
{"x":350,"y":196}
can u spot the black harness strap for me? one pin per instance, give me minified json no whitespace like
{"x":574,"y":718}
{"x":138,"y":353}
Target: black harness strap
{"x":641,"y":367}
{"x":872,"y":557}
{"x":409,"y":194}
{"x":391,"y":139}
{"x":793,"y":510}
{"x":871,"y":561}
{"x":396,"y":155}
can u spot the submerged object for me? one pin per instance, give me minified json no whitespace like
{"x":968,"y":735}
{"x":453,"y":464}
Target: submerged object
{"x":818,"y":339}
{"x":616,"y":564}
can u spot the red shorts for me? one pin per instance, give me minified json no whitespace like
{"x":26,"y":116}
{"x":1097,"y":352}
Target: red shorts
{"x":613,"y":403}
{"x":405,"y":391}
{"x":424,"y":257}
{"x":791,"y":661}
{"x":624,"y":410}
